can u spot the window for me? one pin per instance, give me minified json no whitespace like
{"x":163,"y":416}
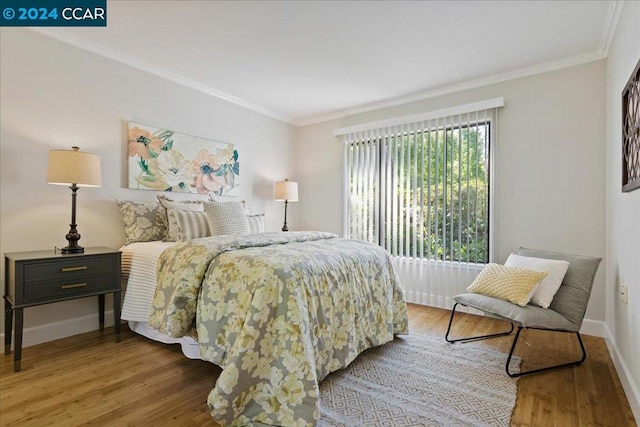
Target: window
{"x":421,"y":190}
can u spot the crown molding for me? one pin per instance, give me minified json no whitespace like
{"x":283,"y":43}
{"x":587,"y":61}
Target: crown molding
{"x":610,"y":25}
{"x":157,"y":71}
{"x":613,"y":16}
{"x":459,"y":87}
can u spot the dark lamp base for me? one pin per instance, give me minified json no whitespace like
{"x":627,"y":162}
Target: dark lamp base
{"x":72,"y":250}
{"x":284,"y":227}
{"x":73,"y":236}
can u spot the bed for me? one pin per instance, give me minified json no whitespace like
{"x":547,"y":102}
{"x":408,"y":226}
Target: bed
{"x":276,"y":311}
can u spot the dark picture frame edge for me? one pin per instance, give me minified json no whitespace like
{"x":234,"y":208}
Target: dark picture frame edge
{"x":631,"y":131}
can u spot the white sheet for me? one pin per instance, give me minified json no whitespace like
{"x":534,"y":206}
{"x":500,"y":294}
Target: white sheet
{"x":139,"y":274}
{"x":190,"y":347}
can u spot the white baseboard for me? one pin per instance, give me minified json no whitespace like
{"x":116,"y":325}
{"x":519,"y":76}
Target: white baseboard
{"x":628,"y":384}
{"x":593,"y":327}
{"x":65,"y":328}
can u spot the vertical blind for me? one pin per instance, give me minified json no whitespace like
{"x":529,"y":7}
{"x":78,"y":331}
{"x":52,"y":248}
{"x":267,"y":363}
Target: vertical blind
{"x":421,"y":189}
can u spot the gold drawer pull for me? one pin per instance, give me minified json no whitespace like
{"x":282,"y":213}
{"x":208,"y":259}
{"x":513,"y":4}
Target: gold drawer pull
{"x":67,"y":269}
{"x":75,"y":285}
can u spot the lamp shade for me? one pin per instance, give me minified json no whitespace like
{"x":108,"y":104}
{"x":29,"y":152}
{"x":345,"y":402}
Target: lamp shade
{"x":285,"y":190}
{"x":68,"y":167}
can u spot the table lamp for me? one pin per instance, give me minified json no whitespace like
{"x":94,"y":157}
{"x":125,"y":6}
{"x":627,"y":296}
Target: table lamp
{"x":75,"y":169}
{"x":286,"y":191}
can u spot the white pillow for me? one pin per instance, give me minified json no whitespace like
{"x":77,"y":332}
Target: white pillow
{"x":547,"y":288}
{"x":226,"y":218}
{"x":256,"y":223}
{"x":215,"y":198}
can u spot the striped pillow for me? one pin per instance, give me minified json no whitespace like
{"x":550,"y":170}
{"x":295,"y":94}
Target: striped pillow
{"x":190,"y":225}
{"x":184,"y":205}
{"x":226,"y":218}
{"x":256,"y":223}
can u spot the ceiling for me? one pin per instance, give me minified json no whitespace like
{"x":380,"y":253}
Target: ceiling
{"x":308,"y":61}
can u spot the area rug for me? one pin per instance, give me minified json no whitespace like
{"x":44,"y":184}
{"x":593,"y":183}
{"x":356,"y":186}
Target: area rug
{"x":420,"y":381}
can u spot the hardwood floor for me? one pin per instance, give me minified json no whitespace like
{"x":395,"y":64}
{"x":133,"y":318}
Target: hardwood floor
{"x":88,"y":379}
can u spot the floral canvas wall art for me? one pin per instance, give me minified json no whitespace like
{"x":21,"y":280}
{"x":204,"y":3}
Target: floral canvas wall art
{"x":164,"y":160}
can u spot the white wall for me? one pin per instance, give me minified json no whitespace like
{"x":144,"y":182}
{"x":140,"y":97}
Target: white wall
{"x":54,"y":96}
{"x":623,"y":215}
{"x":550,"y":169}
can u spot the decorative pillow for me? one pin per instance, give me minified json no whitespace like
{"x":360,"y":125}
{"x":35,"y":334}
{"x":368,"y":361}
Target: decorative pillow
{"x":189,"y":225}
{"x":515,"y":285}
{"x":226,"y":218}
{"x":184,"y":205}
{"x":547,"y":288}
{"x":143,"y":221}
{"x":215,"y":198}
{"x":256,"y":223}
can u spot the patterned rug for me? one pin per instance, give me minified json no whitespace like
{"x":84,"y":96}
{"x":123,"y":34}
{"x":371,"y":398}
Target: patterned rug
{"x":420,"y":381}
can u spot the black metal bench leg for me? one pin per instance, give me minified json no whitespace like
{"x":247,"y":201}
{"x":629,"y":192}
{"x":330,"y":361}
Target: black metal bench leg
{"x":479,"y":337}
{"x":533,"y":371}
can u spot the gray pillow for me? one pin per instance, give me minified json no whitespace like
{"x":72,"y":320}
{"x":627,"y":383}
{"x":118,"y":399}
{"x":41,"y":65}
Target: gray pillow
{"x":226,"y":218}
{"x":143,"y":221}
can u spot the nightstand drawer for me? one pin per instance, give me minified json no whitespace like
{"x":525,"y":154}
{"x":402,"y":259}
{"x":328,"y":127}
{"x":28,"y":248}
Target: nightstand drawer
{"x":60,"y":289}
{"x":68,"y":269}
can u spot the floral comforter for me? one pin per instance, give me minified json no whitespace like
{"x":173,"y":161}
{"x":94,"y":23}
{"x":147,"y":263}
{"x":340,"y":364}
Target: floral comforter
{"x":278,"y":312}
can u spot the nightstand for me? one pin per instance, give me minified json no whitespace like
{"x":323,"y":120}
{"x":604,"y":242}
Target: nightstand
{"x":43,"y":277}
